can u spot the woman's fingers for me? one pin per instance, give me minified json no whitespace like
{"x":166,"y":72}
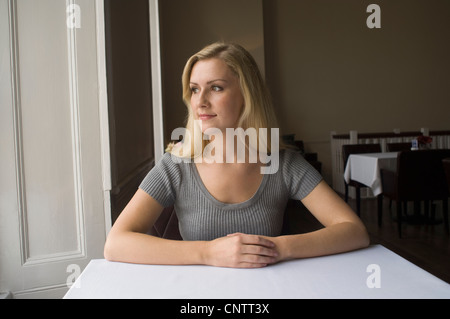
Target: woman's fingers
{"x":259,"y":250}
{"x":243,"y":251}
{"x":251,"y":265}
{"x":257,"y":259}
{"x":253,"y":240}
{"x":256,"y":250}
{"x":257,"y":240}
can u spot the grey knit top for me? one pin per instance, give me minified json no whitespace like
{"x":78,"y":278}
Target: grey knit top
{"x":202,"y":217}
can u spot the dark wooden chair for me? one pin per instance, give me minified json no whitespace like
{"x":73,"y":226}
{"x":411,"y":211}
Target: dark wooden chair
{"x":297,"y":220}
{"x":397,"y":147}
{"x":419,"y":177}
{"x":347,"y":150}
{"x":166,"y":226}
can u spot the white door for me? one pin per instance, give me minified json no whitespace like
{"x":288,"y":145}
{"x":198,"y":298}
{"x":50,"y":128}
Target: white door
{"x":52,"y":211}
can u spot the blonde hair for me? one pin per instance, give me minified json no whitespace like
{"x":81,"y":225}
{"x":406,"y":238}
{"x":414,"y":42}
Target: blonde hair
{"x":258,"y":110}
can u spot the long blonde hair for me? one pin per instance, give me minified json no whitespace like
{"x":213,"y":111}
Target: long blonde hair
{"x":258,"y":110}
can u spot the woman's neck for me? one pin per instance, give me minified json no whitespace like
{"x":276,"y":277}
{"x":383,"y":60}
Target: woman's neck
{"x":229,"y":150}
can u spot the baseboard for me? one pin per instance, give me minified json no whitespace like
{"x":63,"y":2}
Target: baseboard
{"x":52,"y":292}
{"x":6,"y":295}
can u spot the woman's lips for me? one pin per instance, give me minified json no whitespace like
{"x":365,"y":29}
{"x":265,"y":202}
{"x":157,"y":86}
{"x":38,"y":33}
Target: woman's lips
{"x":205,"y":117}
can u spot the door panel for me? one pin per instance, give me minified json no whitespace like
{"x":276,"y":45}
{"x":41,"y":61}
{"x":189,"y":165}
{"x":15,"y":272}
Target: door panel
{"x":51,"y":211}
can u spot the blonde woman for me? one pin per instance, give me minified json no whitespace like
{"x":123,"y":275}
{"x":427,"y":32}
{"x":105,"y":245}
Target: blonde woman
{"x":230,"y":210}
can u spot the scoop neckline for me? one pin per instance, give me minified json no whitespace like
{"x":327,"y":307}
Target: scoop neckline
{"x":224,"y":205}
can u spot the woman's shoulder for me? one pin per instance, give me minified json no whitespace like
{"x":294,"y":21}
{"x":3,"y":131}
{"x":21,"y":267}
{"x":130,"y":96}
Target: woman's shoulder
{"x":299,"y":176}
{"x":171,"y":162}
{"x":168,"y":167}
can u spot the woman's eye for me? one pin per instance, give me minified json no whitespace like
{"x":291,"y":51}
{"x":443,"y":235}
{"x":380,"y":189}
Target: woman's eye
{"x":216,"y":88}
{"x":194,"y":90}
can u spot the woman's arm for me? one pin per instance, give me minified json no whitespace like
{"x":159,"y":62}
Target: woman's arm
{"x":128,"y":242}
{"x":343,"y":230}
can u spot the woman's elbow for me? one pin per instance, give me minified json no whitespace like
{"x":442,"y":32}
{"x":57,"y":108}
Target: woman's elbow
{"x":109,"y":249}
{"x":362,"y":236}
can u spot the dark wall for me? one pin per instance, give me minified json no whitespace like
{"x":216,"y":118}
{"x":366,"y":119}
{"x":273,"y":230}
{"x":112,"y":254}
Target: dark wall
{"x":129,"y":97}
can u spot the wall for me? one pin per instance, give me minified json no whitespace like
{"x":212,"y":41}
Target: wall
{"x":326,"y":69}
{"x":129,"y":97}
{"x":329,"y":72}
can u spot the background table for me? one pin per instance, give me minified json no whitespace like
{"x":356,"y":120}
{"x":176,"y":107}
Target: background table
{"x":365,"y":168}
{"x":337,"y":276}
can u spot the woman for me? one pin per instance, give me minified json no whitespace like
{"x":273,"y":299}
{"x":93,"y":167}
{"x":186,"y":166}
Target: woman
{"x":230,"y":214}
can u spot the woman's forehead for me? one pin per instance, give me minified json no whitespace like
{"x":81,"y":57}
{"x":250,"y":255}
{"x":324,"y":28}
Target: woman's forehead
{"x":208,"y":70}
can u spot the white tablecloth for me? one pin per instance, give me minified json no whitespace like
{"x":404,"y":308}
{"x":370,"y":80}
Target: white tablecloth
{"x":374,"y":272}
{"x":365,"y":168}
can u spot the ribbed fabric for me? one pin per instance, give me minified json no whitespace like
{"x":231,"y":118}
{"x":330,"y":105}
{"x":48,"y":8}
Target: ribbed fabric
{"x":202,"y":217}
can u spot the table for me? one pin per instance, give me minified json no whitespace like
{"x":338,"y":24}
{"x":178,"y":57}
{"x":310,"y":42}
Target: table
{"x":374,"y":272}
{"x":365,"y":168}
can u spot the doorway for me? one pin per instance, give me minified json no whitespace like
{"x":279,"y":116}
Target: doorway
{"x":129,"y":81}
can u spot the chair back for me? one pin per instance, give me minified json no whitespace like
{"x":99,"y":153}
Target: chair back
{"x":166,"y":226}
{"x":398,"y":147}
{"x":421,"y":175}
{"x":359,"y":149}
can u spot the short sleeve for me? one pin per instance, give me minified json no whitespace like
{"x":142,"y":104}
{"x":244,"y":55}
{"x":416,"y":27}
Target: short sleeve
{"x":163,"y":181}
{"x":300,"y":176}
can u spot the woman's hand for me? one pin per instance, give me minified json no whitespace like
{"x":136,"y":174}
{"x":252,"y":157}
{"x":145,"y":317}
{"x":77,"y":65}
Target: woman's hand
{"x":241,"y":251}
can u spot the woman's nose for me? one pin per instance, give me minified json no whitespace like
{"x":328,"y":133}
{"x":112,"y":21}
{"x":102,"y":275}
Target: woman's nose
{"x":202,"y":99}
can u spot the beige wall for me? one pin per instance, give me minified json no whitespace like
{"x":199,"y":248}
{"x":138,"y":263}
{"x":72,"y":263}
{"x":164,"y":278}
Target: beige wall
{"x":327,"y":71}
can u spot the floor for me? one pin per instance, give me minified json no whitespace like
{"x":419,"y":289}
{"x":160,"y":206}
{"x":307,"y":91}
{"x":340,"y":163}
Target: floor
{"x":427,"y":246}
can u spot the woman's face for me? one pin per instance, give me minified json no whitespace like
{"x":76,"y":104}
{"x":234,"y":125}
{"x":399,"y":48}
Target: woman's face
{"x":216,"y":97}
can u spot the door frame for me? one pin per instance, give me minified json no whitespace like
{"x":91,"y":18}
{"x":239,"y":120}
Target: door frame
{"x":155,"y":49}
{"x":157,"y":103}
{"x":103,"y":112}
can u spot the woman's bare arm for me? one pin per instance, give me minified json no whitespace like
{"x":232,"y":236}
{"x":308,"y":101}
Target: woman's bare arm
{"x":343,"y":230}
{"x":128,"y":242}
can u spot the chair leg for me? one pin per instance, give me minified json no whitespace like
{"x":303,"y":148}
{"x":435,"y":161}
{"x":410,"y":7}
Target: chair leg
{"x":346,"y":192}
{"x":399,"y":218}
{"x":445,"y":213}
{"x":380,"y":208}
